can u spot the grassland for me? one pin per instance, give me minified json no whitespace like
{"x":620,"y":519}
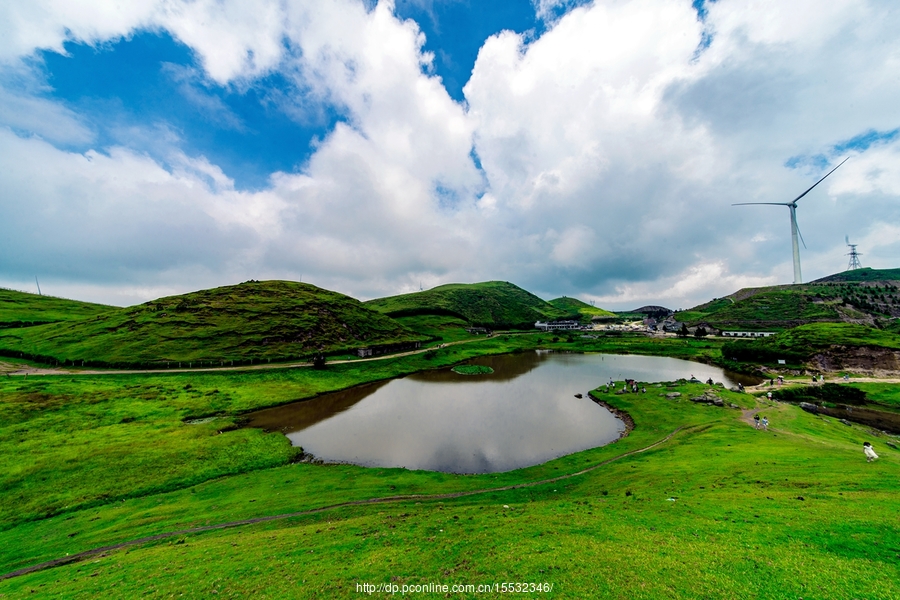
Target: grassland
{"x":719,"y":510}
{"x":21,"y":309}
{"x":492,"y":304}
{"x":573,"y":305}
{"x":239,"y":324}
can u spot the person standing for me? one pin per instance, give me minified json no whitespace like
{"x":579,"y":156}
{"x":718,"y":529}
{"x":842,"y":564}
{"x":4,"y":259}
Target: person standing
{"x":869,"y":451}
{"x":765,"y":423}
{"x":756,"y":418}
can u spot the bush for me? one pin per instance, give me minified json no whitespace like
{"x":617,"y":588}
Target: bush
{"x":831,"y":393}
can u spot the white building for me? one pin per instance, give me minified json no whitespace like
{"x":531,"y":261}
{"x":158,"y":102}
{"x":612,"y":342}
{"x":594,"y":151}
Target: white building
{"x":748,"y":334}
{"x":557,"y":325}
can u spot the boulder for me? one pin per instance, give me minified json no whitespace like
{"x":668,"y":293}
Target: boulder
{"x":810,"y":408}
{"x":673,"y":395}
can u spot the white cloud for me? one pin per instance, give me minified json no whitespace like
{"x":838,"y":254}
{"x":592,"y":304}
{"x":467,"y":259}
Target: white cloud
{"x":612,"y":148}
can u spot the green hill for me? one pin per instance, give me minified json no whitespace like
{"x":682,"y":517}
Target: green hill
{"x":253,"y":321}
{"x":21,"y":309}
{"x":873,"y":297}
{"x":573,"y":305}
{"x":494,"y":304}
{"x":865,"y":274}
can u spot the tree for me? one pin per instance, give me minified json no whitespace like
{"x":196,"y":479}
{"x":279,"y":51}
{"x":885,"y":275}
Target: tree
{"x":683,"y":332}
{"x":700,"y":332}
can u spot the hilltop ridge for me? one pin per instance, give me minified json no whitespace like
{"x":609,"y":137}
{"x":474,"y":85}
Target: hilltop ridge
{"x":251,"y":321}
{"x":493,"y":304}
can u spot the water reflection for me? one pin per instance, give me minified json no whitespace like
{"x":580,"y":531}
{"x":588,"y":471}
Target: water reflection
{"x":524,"y":413}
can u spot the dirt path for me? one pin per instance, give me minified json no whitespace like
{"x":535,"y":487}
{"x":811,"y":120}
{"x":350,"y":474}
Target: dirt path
{"x":382,"y":500}
{"x":13,"y":370}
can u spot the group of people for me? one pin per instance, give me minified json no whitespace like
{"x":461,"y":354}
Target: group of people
{"x":630,"y":385}
{"x":764,"y":422}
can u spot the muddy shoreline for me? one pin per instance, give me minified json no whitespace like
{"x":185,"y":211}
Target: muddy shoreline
{"x":620,"y":414}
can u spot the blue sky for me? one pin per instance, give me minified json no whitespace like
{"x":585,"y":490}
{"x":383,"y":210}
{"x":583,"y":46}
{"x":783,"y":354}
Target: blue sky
{"x":591,"y":149}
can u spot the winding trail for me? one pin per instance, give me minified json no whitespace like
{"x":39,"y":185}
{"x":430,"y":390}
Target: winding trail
{"x":382,"y":500}
{"x":16,"y":370}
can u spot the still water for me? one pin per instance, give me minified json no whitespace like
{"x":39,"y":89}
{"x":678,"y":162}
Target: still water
{"x":524,"y":413}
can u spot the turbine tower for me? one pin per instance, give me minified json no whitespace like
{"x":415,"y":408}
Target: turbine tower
{"x":853,"y":254}
{"x":795,"y":231}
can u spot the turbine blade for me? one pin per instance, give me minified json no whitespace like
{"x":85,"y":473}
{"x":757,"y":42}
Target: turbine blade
{"x":820,"y":181}
{"x":771,"y":203}
{"x":801,"y":237}
{"x":847,"y":239}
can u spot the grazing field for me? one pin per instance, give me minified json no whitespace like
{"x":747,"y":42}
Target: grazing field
{"x":491,"y":304}
{"x":718,"y":509}
{"x":21,"y":309}
{"x":239,"y":324}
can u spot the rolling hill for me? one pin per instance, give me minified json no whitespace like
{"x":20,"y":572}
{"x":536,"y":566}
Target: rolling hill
{"x":862,"y":296}
{"x":252,"y":321}
{"x":493,"y":304}
{"x":21,"y":309}
{"x":573,"y":305}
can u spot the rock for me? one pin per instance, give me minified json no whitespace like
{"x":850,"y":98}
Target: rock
{"x":578,"y":396}
{"x":810,"y":408}
{"x":620,"y":391}
{"x":733,"y":405}
{"x":734,"y":388}
{"x":892,"y":445}
{"x":719,"y":402}
{"x":846,"y":422}
{"x":672,"y":395}
{"x":698,"y":399}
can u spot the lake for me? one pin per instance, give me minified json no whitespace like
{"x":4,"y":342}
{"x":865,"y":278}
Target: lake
{"x":524,"y":413}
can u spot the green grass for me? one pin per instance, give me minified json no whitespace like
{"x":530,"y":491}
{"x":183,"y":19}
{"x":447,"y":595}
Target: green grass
{"x":472,"y":370}
{"x":441,"y":328}
{"x":253,"y":321}
{"x":793,"y":512}
{"x":21,"y":309}
{"x":493,"y":304}
{"x":573,"y":305}
{"x":864,"y":274}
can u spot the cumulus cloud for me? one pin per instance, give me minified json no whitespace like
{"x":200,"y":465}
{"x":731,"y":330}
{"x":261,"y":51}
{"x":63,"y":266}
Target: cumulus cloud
{"x":598,"y":160}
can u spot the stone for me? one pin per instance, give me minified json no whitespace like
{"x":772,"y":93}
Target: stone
{"x":672,"y":395}
{"x":810,"y":408}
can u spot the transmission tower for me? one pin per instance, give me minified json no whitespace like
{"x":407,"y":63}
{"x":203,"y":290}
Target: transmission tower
{"x":853,"y":254}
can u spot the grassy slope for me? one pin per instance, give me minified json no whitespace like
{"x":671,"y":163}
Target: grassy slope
{"x":22,"y":309}
{"x":794,"y":512}
{"x":802,"y":343}
{"x":865,"y":274}
{"x":573,"y":305}
{"x":496,"y":304}
{"x":855,"y":296}
{"x":270,"y":320}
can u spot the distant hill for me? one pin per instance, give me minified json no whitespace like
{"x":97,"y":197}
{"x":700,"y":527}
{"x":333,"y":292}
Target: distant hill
{"x":865,"y":274}
{"x":494,"y":304}
{"x":21,"y":309}
{"x":573,"y":305}
{"x":862,"y":296}
{"x":269,"y":320}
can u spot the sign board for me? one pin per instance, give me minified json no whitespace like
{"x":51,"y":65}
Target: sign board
{"x":780,"y":361}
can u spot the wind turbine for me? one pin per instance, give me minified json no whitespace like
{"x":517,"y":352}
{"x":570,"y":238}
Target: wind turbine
{"x":795,"y":231}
